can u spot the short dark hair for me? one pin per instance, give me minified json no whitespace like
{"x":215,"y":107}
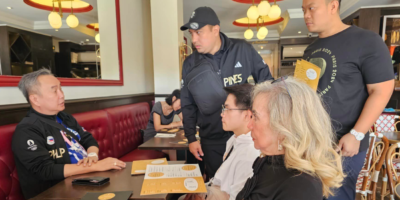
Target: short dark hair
{"x":176,"y":94}
{"x":242,"y":94}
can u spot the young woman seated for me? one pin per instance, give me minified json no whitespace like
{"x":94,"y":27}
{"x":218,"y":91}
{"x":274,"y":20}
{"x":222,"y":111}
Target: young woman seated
{"x":162,"y":117}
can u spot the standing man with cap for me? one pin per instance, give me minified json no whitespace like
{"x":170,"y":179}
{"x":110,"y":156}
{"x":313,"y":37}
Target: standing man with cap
{"x":356,"y":82}
{"x":218,"y":62}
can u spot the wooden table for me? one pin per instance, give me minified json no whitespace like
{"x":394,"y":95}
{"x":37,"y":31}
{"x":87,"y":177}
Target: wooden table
{"x":394,"y":137}
{"x":119,"y":181}
{"x":166,"y":143}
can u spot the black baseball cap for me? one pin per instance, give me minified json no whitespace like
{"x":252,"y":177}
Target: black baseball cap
{"x":200,"y":17}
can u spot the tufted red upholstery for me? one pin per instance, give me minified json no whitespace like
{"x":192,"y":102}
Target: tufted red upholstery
{"x":117,"y":130}
{"x":9,"y":184}
{"x":96,"y":122}
{"x":141,"y":114}
{"x":126,"y":122}
{"x":121,"y":121}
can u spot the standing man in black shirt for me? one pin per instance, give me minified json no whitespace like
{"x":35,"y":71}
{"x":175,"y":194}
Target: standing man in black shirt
{"x":356,"y":82}
{"x":218,"y":62}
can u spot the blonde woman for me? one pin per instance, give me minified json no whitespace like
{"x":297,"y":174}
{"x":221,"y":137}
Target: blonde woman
{"x":294,"y":134}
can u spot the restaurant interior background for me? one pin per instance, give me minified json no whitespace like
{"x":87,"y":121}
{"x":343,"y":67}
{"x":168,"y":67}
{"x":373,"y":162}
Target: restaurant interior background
{"x":142,"y":49}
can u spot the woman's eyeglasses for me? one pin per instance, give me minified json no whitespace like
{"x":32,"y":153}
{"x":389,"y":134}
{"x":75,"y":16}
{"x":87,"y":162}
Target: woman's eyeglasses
{"x":225,"y":109}
{"x":282,"y":79}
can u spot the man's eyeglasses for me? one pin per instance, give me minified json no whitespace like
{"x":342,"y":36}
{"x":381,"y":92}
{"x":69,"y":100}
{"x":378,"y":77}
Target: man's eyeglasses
{"x":225,"y":109}
{"x":282,"y":79}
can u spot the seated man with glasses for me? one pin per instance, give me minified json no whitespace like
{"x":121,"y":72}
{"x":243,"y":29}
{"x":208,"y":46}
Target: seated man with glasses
{"x":48,"y":144}
{"x":240,"y":153}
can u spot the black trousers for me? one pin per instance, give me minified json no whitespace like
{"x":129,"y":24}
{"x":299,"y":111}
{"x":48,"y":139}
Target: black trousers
{"x":213,"y":154}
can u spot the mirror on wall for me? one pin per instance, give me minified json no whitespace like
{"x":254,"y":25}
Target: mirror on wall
{"x":391,"y":36}
{"x":60,"y":35}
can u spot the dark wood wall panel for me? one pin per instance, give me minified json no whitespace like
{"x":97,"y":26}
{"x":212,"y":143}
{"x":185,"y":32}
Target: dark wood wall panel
{"x":370,"y":19}
{"x":4,"y":52}
{"x":162,"y":95}
{"x":10,"y":114}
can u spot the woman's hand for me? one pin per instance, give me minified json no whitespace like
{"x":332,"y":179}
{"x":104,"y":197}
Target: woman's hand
{"x":175,"y":124}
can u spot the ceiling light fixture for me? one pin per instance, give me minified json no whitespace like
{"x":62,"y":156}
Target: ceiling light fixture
{"x":72,"y":20}
{"x":262,"y":32}
{"x":97,"y":37}
{"x":55,"y":19}
{"x":94,"y":26}
{"x":275,"y":11}
{"x":252,"y":12}
{"x":9,"y":8}
{"x":58,"y":7}
{"x":263,"y":8}
{"x":248,"y":34}
{"x":299,"y":32}
{"x":260,"y":16}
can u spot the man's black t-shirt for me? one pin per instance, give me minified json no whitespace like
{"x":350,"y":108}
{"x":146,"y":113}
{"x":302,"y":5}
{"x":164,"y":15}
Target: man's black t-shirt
{"x":349,"y":60}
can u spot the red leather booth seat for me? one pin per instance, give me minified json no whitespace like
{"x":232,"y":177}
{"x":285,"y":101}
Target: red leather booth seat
{"x":117,"y":130}
{"x":9,"y":183}
{"x":96,"y":122}
{"x":126,"y":122}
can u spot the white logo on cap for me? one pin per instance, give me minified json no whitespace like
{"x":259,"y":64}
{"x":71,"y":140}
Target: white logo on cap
{"x":194,"y":25}
{"x":192,"y":14}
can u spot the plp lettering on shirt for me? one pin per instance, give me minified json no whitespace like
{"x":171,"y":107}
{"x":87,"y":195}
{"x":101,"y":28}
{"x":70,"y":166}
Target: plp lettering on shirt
{"x":54,"y":153}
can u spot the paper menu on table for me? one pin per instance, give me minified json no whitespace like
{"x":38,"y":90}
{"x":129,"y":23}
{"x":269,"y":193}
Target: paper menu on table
{"x":307,"y":72}
{"x":160,"y":179}
{"x":165,"y":135}
{"x":139,"y":167}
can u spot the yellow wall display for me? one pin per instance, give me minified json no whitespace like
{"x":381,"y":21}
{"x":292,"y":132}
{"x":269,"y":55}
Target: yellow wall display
{"x":139,"y":167}
{"x":308,"y":73}
{"x":161,"y":179}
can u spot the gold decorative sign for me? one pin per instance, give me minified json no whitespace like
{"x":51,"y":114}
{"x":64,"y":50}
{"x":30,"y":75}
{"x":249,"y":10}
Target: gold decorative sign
{"x":307,"y":72}
{"x":106,"y":196}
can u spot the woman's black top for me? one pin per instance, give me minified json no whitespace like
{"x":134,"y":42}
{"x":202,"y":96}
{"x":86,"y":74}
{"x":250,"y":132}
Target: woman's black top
{"x":272,"y":181}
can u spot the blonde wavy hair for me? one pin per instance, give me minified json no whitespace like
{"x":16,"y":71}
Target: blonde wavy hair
{"x":309,"y":138}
